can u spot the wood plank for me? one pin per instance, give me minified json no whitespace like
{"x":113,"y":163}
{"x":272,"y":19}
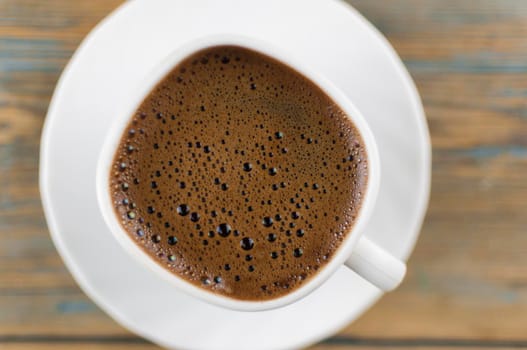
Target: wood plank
{"x":144,"y":346}
{"x":152,"y":347}
{"x":451,"y":35}
{"x":37,"y":294}
{"x":53,"y":312}
{"x":81,"y":346}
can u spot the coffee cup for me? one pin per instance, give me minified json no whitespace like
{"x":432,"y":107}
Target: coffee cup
{"x":356,"y":252}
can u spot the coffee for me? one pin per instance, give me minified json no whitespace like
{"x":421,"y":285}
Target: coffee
{"x":239,"y":175}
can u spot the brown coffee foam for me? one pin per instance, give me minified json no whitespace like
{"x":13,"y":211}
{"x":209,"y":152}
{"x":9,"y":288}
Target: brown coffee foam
{"x":239,"y":138}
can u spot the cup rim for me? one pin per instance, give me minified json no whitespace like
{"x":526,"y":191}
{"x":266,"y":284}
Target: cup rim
{"x":124,"y":114}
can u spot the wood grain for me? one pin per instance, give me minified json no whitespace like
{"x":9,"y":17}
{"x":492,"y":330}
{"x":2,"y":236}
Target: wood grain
{"x":30,"y":346}
{"x":467,"y":281}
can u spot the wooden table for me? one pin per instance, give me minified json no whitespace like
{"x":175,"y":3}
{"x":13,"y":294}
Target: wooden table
{"x":467,"y":280}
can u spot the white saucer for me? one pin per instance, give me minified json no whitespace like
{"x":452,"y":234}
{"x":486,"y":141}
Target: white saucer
{"x":330,"y":36}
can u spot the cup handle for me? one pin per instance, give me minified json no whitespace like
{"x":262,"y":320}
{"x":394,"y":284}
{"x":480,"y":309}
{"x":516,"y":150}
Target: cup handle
{"x":376,"y":265}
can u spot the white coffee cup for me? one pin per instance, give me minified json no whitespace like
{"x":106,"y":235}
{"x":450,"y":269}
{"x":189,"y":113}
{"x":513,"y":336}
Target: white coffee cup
{"x":357,"y":252}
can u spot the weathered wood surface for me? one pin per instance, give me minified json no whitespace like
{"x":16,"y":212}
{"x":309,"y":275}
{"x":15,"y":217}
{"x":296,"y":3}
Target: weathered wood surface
{"x":113,"y":346}
{"x":467,"y":281}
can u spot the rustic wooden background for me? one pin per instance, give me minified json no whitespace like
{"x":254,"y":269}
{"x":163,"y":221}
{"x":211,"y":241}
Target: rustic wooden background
{"x":467,"y":281}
